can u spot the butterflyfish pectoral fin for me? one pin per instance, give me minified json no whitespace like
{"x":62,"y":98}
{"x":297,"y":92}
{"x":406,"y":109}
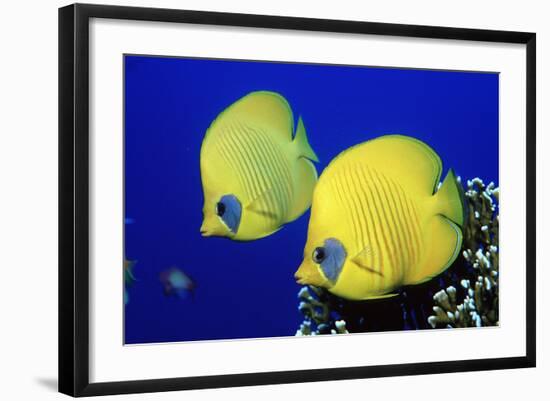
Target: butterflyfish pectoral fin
{"x":364,"y":260}
{"x":259,"y":206}
{"x":264,"y":213}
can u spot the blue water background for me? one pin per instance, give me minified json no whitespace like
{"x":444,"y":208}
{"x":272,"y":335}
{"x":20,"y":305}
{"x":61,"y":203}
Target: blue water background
{"x":246,"y":289}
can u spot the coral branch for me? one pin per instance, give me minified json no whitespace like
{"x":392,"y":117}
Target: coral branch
{"x":479,"y":284}
{"x":318,"y":317}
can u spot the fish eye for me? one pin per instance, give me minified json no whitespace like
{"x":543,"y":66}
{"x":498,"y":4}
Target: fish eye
{"x":220,"y":208}
{"x":319,"y":254}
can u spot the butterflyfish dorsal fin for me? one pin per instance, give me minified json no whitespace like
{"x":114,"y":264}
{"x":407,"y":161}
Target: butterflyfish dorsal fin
{"x":411,"y":162}
{"x":264,"y":110}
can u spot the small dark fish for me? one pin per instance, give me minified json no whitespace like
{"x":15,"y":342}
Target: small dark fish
{"x":177,"y":283}
{"x":129,"y":278}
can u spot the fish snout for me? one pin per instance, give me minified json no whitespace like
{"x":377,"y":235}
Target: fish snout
{"x":205,"y":232}
{"x":308,"y":274}
{"x":300,"y":275}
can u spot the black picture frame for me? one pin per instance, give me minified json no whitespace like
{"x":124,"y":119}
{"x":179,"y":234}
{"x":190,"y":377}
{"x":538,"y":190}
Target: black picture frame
{"x":74,"y":194}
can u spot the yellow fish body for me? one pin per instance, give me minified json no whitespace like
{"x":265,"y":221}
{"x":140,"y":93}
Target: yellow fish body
{"x":377,"y":222}
{"x":255,"y":175}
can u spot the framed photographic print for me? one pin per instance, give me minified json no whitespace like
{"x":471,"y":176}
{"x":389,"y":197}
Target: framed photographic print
{"x":290,"y":197}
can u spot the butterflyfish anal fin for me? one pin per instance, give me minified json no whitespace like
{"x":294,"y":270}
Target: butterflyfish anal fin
{"x":445,"y":243}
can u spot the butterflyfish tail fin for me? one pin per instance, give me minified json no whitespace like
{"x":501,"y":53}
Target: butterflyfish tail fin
{"x":305,"y":179}
{"x":305,"y":174}
{"x":301,"y":143}
{"x":445,"y":239}
{"x":449,"y":199}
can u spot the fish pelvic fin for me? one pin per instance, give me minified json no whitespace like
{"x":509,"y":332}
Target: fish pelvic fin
{"x":381,"y":296}
{"x":449,"y":199}
{"x":301,"y":143}
{"x":445,"y":239}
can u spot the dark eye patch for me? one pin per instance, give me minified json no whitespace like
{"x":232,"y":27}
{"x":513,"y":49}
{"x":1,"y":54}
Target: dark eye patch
{"x":229,"y":209}
{"x":334,"y":258}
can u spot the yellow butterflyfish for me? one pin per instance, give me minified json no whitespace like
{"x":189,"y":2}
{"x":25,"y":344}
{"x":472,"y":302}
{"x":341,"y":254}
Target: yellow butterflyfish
{"x":256,"y":177}
{"x":377,"y":222}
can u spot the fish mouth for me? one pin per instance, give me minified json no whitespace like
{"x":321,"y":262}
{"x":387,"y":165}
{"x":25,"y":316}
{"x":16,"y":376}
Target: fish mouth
{"x":299,"y":279}
{"x":205,"y":232}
